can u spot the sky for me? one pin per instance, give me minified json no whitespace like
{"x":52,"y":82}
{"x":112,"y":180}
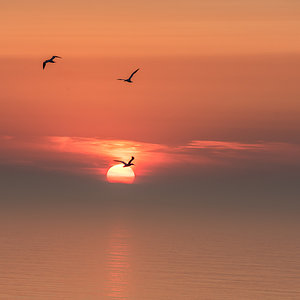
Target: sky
{"x":150,"y":28}
{"x":217,"y":91}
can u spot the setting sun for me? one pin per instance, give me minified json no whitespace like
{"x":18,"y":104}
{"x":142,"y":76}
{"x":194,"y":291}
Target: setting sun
{"x":120,"y":174}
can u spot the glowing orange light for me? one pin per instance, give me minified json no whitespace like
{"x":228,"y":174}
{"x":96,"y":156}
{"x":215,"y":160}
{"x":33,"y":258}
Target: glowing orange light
{"x":120,"y":174}
{"x":118,"y":265}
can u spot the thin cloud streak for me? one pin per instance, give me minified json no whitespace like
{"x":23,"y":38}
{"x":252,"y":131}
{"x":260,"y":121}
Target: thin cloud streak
{"x":94,"y":156}
{"x":224,"y":145}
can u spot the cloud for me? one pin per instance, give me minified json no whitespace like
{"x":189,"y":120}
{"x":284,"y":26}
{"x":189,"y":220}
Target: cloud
{"x":94,"y":156}
{"x":221,"y":145}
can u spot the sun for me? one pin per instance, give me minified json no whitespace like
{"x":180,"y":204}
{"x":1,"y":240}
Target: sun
{"x":120,"y":174}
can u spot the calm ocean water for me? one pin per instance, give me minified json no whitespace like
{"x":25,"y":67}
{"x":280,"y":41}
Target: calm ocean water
{"x":124,"y":253}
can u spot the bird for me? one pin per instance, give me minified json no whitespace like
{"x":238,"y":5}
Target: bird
{"x":126,"y":164}
{"x":128,"y":79}
{"x":51,"y":60}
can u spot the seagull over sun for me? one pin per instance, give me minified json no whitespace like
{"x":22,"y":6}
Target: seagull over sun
{"x":126,"y":164}
{"x":51,"y":60}
{"x":128,"y":79}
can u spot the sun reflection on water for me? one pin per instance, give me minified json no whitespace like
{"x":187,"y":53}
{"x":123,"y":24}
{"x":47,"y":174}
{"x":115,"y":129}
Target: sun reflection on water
{"x":118,"y":265}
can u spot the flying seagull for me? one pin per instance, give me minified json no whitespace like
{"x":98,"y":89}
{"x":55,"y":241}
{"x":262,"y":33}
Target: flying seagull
{"x":129,"y":79}
{"x":126,"y":164}
{"x":51,"y":60}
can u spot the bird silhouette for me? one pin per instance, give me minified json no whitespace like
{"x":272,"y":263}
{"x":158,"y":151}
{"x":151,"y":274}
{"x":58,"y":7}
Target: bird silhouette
{"x":126,"y":164}
{"x":128,"y":79}
{"x":51,"y":60}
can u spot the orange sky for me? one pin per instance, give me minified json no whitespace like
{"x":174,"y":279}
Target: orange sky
{"x":171,"y":99}
{"x":209,"y":70}
{"x":142,"y":28}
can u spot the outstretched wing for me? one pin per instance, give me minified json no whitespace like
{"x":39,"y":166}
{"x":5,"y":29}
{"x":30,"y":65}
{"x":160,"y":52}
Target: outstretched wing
{"x":120,"y":79}
{"x":132,"y":158}
{"x":44,"y":64}
{"x":133,"y":74}
{"x":55,"y":56}
{"x":121,"y":161}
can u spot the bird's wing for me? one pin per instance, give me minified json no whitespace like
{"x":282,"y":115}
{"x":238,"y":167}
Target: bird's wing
{"x":44,"y":64}
{"x":120,"y":79}
{"x":55,"y":56}
{"x":121,"y":161}
{"x":132,"y":158}
{"x":133,"y":74}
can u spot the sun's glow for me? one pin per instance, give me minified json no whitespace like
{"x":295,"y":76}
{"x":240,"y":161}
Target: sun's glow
{"x":120,"y":174}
